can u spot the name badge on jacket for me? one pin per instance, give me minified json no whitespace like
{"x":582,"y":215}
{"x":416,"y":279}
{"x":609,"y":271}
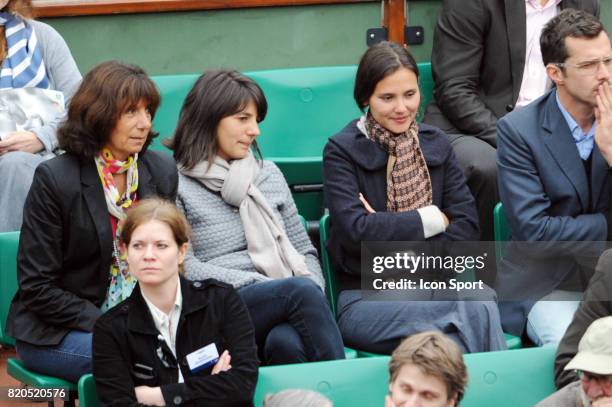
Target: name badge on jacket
{"x":202,"y":358}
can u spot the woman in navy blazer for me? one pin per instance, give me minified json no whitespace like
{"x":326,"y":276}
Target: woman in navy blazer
{"x":389,"y":179}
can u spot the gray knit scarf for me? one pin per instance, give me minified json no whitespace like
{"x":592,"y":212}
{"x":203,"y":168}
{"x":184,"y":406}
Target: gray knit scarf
{"x":267,"y":243}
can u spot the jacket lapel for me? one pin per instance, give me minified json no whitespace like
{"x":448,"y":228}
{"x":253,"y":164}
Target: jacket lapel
{"x":516,"y":27}
{"x":96,"y":203}
{"x":145,"y":186}
{"x":561,"y":145}
{"x":599,"y":175}
{"x":139,"y":317}
{"x":193,"y":299}
{"x":370,"y":157}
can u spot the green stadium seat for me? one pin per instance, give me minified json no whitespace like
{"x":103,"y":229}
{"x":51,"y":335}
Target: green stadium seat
{"x":426,"y":85}
{"x":331,"y":283}
{"x":501,"y":379}
{"x":298,"y":123}
{"x":173,"y":90}
{"x":348,"y":352}
{"x":501,"y":231}
{"x":88,"y":396}
{"x":510,"y":378}
{"x":9,"y":243}
{"x":357,"y":382}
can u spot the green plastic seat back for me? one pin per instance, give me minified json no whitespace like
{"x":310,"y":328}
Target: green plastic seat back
{"x":173,"y":90}
{"x":501,"y":231}
{"x":18,"y":371}
{"x":331,"y":281}
{"x":305,"y":107}
{"x":501,"y":379}
{"x":88,"y":396}
{"x":426,"y":86}
{"x":509,"y":378}
{"x":9,"y":243}
{"x":355,"y":382}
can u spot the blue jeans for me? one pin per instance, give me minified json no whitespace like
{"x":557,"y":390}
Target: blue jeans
{"x":69,"y":360}
{"x":380,"y":325}
{"x":292,"y":321}
{"x":550,"y":317}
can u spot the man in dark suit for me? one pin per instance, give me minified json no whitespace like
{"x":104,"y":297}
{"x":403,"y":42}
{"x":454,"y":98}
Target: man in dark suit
{"x":485,"y":59}
{"x":553,"y":158}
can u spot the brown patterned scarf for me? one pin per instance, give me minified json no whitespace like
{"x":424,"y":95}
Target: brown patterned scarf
{"x":409,"y":186}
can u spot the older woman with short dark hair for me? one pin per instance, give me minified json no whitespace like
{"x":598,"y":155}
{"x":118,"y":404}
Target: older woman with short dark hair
{"x":69,"y":267}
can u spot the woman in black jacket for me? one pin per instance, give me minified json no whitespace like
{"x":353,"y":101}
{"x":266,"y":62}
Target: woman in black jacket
{"x":388,"y":178}
{"x":173,"y":341}
{"x":69,"y":268}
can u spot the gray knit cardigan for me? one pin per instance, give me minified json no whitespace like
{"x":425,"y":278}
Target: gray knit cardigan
{"x":218,"y":246}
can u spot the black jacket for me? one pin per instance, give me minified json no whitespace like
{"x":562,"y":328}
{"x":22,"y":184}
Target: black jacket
{"x":352,"y":164}
{"x":65,"y":246}
{"x":125,"y":339}
{"x":597,"y":303}
{"x":477,"y":61}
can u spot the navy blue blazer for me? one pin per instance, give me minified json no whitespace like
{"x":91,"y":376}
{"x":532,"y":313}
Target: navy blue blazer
{"x":545,"y":191}
{"x":352,"y":163}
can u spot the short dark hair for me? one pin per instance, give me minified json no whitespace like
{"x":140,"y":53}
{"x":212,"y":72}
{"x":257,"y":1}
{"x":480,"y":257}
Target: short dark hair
{"x":216,"y":94}
{"x":106,"y":92}
{"x":378,"y":62}
{"x":435,"y":354}
{"x":568,"y":23}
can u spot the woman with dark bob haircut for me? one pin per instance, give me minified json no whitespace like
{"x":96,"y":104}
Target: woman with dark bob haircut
{"x":143,"y":355}
{"x":388,"y":178}
{"x":69,"y":267}
{"x":246,"y":229}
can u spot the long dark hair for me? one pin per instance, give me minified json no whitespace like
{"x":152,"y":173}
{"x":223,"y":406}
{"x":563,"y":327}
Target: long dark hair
{"x":215,"y":95}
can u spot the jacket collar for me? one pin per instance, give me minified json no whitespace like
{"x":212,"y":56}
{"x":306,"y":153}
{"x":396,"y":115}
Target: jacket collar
{"x":559,"y":141}
{"x":140,"y":319}
{"x":96,"y":203}
{"x":369,"y":155}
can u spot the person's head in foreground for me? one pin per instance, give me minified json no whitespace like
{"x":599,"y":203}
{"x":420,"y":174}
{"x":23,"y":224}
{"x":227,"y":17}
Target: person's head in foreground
{"x":593,"y":363}
{"x":426,"y":370}
{"x":155,"y":237}
{"x":296,"y":398}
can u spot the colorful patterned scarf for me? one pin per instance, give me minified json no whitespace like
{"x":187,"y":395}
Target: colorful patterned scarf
{"x":121,"y":281}
{"x":23,"y":66}
{"x":409,"y":186}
